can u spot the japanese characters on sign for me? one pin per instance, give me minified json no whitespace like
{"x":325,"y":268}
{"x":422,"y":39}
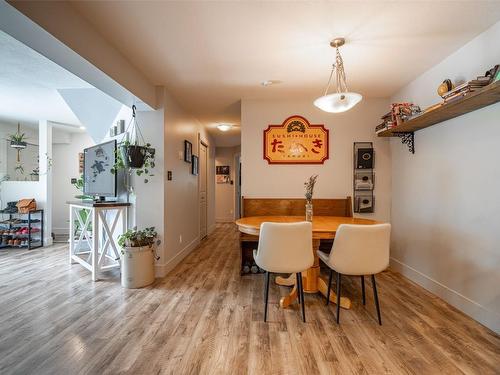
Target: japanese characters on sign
{"x":296,"y":142}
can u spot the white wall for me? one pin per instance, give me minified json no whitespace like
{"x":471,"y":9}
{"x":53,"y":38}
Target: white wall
{"x":65,"y":166}
{"x":181,"y":194}
{"x":445,"y":201}
{"x":259,"y":179}
{"x":225,"y":193}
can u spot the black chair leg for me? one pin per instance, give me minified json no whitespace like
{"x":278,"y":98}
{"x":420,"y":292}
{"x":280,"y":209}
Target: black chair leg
{"x":266,"y":296}
{"x":375,"y":296}
{"x":329,"y":287}
{"x":299,"y":297}
{"x":303,"y":305}
{"x":363,"y":289}
{"x":339,"y":276}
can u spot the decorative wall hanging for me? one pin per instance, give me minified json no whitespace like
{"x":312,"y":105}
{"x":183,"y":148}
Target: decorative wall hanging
{"x":194,"y":165}
{"x":296,"y":142}
{"x":188,"y":151}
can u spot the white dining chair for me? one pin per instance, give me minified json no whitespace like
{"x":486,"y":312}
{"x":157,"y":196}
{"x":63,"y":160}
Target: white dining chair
{"x":358,"y":250}
{"x":285,"y":248}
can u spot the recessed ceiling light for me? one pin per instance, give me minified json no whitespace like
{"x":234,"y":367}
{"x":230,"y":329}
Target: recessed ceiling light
{"x":224,"y":127}
{"x":82,"y":127}
{"x":269,"y":82}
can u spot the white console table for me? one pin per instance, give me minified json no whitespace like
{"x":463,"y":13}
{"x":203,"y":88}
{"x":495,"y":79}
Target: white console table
{"x":95,"y":247}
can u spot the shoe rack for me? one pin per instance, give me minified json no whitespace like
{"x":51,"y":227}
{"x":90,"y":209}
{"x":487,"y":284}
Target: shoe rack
{"x":19,"y":230}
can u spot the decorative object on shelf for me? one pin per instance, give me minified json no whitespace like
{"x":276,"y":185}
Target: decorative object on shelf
{"x":80,"y":162}
{"x":188,"y":151}
{"x":444,"y":87}
{"x":342,"y":100}
{"x":26,"y":205}
{"x":296,"y":141}
{"x":363,"y":177}
{"x":138,"y":249}
{"x":222,"y":174}
{"x":399,"y":113}
{"x":194,"y":165}
{"x":309,"y":186}
{"x":135,"y":153}
{"x":436,"y":114}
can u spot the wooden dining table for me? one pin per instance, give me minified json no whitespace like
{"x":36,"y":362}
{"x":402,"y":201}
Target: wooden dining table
{"x":323,"y":227}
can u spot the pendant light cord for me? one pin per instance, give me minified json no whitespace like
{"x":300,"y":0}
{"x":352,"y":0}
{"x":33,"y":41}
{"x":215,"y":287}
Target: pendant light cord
{"x":338,"y":68}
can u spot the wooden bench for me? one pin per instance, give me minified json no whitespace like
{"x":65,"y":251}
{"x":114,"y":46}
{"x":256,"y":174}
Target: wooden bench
{"x":288,"y":207}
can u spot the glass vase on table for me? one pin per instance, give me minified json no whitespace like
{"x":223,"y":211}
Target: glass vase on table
{"x":309,"y":211}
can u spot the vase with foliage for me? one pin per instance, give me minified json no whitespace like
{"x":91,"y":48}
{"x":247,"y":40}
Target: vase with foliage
{"x":309,"y":187}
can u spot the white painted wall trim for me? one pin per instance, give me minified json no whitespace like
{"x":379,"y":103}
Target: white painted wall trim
{"x":224,"y":219}
{"x":161,"y":270}
{"x":489,"y":318}
{"x":211,"y":228}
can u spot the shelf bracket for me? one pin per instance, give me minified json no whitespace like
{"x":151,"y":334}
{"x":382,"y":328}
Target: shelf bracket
{"x":407,"y":138}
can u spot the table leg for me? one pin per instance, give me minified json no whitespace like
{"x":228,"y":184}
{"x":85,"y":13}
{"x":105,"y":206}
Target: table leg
{"x":95,"y":244}
{"x":323,"y":289}
{"x":312,"y":283}
{"x":286,"y":281}
{"x":71,"y":234}
{"x":288,"y":299}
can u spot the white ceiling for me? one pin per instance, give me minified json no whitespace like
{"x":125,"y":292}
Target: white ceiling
{"x":28,"y":87}
{"x":212,"y":54}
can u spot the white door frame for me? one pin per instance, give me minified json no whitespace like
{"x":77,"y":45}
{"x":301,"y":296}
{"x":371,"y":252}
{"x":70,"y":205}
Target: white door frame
{"x":205,"y":143}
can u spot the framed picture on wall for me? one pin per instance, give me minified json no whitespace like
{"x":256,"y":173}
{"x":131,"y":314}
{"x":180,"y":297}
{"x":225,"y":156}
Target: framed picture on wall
{"x":194,"y":165}
{"x":188,"y":151}
{"x":222,"y":169}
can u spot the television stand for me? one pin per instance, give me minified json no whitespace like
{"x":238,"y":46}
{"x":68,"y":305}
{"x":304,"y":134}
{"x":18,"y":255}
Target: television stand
{"x":92,"y":233}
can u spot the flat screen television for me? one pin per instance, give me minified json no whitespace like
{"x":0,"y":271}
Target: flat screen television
{"x":98,"y":161}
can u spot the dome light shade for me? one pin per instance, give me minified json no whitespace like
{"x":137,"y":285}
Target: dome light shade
{"x":224,"y":127}
{"x":338,"y":102}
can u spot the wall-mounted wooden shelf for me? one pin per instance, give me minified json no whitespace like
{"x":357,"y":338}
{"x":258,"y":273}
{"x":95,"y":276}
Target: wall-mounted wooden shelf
{"x":476,"y":100}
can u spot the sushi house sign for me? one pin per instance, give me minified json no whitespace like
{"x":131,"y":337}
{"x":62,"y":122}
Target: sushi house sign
{"x":296,"y":142}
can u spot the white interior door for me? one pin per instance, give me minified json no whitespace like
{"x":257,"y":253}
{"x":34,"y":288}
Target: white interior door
{"x":203,"y":189}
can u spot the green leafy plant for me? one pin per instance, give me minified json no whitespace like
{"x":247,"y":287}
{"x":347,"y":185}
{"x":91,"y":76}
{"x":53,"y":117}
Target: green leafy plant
{"x":138,"y":238}
{"x":79,"y":186}
{"x":135,"y":155}
{"x":17,"y":138}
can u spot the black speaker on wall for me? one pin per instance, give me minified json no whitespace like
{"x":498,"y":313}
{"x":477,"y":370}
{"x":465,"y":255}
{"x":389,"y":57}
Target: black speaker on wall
{"x":365,"y":158}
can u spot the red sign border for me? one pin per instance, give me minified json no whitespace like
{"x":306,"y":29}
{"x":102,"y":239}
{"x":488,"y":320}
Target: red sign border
{"x":309,"y":125}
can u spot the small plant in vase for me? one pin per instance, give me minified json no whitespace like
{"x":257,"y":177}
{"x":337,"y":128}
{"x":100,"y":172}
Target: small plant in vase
{"x":309,"y":186}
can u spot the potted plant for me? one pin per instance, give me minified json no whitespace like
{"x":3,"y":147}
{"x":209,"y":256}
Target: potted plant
{"x":135,"y":154}
{"x":18,"y":140}
{"x":138,"y":255}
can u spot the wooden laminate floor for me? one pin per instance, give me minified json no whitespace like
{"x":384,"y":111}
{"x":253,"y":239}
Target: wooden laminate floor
{"x":203,"y":318}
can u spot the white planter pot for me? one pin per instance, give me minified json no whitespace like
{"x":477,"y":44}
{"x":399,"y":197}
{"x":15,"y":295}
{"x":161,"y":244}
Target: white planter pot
{"x":137,"y":266}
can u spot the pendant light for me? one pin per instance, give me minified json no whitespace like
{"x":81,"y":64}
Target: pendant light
{"x":342,"y":100}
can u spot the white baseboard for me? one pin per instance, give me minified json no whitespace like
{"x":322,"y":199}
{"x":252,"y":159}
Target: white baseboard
{"x":211,"y":228}
{"x":161,"y":270}
{"x":476,"y":311}
{"x":60,"y":230}
{"x":224,"y":219}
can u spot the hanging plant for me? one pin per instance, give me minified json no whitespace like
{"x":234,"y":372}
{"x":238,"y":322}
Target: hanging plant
{"x":135,"y":154}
